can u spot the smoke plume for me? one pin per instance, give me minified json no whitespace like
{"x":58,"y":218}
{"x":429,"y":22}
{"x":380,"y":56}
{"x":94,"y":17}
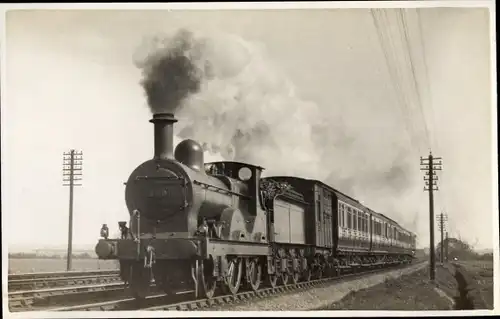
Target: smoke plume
{"x":169,"y":71}
{"x":233,"y":100}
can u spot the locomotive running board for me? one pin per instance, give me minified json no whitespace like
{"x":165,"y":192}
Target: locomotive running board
{"x":216,"y":247}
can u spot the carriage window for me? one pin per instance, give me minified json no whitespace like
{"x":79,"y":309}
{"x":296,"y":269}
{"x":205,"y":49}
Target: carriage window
{"x":349,"y":218}
{"x":355,"y":219}
{"x":339,"y":218}
{"x":342,"y":216}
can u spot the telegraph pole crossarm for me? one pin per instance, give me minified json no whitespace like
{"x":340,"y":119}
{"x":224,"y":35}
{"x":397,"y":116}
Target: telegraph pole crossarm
{"x":72,"y":171}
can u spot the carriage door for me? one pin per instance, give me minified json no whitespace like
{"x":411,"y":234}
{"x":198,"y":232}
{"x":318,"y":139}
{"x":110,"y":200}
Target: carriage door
{"x":319,"y":217}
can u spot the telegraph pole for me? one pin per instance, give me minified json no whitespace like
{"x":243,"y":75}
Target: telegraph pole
{"x":72,"y":172}
{"x":446,"y":247}
{"x":441,"y":223}
{"x":430,"y":179}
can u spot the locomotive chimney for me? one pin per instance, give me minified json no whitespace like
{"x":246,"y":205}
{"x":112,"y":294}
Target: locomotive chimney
{"x":163,"y":135}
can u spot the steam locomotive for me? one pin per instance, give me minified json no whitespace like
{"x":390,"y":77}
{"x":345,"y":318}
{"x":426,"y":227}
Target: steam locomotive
{"x":220,"y":225}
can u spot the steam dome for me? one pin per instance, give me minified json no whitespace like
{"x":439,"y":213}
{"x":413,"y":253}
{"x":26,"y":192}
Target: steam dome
{"x":190,"y":153}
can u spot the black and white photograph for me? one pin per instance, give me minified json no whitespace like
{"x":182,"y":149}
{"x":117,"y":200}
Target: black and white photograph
{"x":249,"y":159}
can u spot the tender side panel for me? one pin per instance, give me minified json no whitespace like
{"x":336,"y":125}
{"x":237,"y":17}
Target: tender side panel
{"x":289,"y":226}
{"x":297,"y":225}
{"x":281,"y":221}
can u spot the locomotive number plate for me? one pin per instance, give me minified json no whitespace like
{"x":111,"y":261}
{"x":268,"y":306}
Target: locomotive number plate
{"x":158,"y":193}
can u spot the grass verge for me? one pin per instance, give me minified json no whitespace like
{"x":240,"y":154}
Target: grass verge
{"x":477,"y":278}
{"x":409,"y":292}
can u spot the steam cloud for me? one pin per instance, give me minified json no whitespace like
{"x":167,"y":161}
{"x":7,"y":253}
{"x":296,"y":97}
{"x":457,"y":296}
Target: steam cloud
{"x":235,"y":102}
{"x":169,"y":74}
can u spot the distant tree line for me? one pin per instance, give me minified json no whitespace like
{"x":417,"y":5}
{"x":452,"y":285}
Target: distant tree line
{"x":47,"y":256}
{"x":463,"y":251}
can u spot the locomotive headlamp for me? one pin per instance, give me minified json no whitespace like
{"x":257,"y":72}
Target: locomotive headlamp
{"x":104,"y":231}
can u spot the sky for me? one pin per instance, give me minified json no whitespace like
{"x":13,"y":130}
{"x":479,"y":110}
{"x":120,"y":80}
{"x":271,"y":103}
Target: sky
{"x":315,"y":99}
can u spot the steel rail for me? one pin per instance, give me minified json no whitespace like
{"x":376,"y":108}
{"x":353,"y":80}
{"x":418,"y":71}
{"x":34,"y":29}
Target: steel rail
{"x":29,"y":298}
{"x":39,"y":275}
{"x":50,"y":282}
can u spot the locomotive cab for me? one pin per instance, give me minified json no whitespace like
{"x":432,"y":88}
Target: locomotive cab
{"x":245,"y":178}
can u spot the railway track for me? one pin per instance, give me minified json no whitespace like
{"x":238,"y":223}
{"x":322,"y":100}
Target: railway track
{"x":45,"y":275}
{"x":40,"y":298}
{"x":32,"y":290}
{"x":185,"y":300}
{"x":17,"y":282}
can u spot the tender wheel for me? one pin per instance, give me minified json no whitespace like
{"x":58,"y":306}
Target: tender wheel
{"x":272,"y":279}
{"x":284,"y":278}
{"x":318,"y":272}
{"x":306,"y":275}
{"x":232,"y":281}
{"x":254,"y":273}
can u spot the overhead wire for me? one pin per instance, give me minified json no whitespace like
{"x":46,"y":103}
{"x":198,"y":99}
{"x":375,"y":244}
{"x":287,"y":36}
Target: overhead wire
{"x":433,"y":143}
{"x":400,"y":83}
{"x":386,"y":40}
{"x":397,"y":74}
{"x":414,"y":76}
{"x":392,"y":75}
{"x":405,"y":75}
{"x":443,"y":190}
{"x":426,"y":72}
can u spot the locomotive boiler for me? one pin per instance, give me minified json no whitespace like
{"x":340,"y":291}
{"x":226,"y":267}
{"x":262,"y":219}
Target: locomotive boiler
{"x":187,"y":226}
